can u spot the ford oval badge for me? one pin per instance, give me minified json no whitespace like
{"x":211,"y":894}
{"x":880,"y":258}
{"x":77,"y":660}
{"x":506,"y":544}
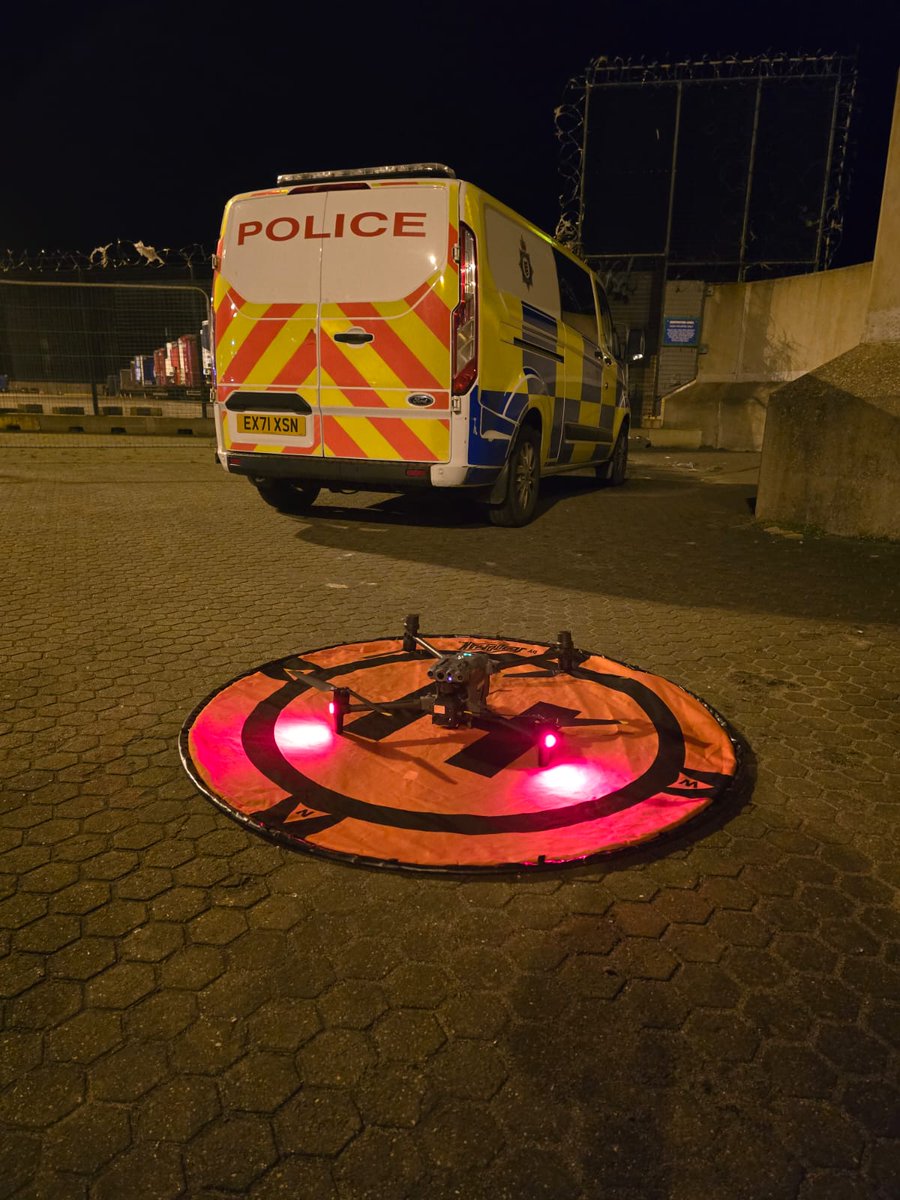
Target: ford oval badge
{"x":420,"y":400}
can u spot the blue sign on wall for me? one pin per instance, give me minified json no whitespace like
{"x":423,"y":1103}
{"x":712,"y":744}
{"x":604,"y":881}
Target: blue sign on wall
{"x":681,"y":331}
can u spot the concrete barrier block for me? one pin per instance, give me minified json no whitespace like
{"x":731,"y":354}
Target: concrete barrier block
{"x":831,"y":454}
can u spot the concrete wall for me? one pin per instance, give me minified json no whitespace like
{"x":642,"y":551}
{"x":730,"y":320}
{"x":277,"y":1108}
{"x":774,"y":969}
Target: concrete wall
{"x":883,"y":320}
{"x":831,"y":455}
{"x":758,"y":336}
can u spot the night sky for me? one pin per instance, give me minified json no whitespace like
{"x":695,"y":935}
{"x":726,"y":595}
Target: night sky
{"x":138,"y":120}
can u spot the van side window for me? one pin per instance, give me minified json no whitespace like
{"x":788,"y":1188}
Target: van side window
{"x":606,"y":321}
{"x":576,"y":294}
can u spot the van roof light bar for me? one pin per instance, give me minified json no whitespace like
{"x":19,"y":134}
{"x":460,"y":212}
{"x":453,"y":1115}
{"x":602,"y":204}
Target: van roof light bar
{"x":410,"y":170}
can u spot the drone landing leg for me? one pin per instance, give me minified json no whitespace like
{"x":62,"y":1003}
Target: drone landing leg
{"x":410,"y":632}
{"x":338,"y":706}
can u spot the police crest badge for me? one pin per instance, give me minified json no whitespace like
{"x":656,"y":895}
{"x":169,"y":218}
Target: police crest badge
{"x":525,"y":264}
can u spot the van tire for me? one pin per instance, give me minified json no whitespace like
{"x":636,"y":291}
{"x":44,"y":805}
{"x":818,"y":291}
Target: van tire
{"x":522,"y":481}
{"x":286,"y":495}
{"x":612,"y":472}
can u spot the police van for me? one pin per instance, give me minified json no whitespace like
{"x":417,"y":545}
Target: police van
{"x":398,"y":328}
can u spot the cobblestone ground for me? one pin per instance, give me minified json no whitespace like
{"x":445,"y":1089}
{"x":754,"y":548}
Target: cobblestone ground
{"x":191,"y":1011}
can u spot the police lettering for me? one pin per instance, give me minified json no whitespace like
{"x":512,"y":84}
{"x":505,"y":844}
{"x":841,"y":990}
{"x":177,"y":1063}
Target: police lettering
{"x":364,"y":225}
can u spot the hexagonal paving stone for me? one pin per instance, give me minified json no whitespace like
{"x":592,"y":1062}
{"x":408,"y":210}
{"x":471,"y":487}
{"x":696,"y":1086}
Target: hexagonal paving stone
{"x":21,"y":909}
{"x":259,"y":1082}
{"x":46,"y":1004}
{"x":115,"y":919}
{"x":417,"y":985}
{"x":380,"y":1162}
{"x":316,"y":1121}
{"x":142,"y":1176}
{"x":19,"y":971}
{"x":162,"y":1015}
{"x":724,"y":1036}
{"x":284,"y":1024}
{"x":230,"y":1154}
{"x":178,"y":1110}
{"x":48,"y":934}
{"x":591,"y":975}
{"x":193,"y":967}
{"x":294,"y":1177}
{"x":335,"y":1058}
{"x":179,"y":904}
{"x":408,"y":1035}
{"x":218,"y":926}
{"x":19,"y":1052}
{"x":235,"y":994}
{"x":538,"y":998}
{"x":20,"y":1154}
{"x":276,"y":912}
{"x":50,"y":878}
{"x":88,"y":1138}
{"x":83,"y":959}
{"x":474,"y":1014}
{"x":472,"y":1069}
{"x":365,"y":958}
{"x":392,"y":1094}
{"x":534,"y":1173}
{"x":85,"y":1037}
{"x":154,"y":941}
{"x":459,"y":1136}
{"x":127,"y":1074}
{"x":43,"y":1096}
{"x":819,"y":1136}
{"x":355,"y":1004}
{"x":207,"y":1046}
{"x":121,"y":985}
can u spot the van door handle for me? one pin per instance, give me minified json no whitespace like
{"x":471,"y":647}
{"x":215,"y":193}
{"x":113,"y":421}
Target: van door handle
{"x":356,"y":337}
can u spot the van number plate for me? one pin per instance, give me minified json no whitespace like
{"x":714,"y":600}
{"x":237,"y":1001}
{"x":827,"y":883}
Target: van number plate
{"x":285,"y":423}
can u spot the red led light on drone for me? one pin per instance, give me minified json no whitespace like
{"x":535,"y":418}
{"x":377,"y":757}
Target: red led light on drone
{"x":549,"y":746}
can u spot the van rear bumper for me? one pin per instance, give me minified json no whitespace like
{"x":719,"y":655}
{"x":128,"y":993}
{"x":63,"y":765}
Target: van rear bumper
{"x":346,"y":473}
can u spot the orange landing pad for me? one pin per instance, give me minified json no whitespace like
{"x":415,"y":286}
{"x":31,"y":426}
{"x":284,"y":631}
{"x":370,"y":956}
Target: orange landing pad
{"x":640,"y":756}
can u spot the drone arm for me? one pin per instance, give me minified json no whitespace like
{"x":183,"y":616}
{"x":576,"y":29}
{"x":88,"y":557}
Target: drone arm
{"x":389,"y":706}
{"x":427,"y":646}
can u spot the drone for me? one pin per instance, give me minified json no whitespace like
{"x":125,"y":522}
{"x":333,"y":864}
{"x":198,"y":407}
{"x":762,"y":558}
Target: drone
{"x":461,"y":688}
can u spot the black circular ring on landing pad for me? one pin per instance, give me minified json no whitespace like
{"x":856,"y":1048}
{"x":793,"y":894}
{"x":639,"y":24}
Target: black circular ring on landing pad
{"x":321,"y":807}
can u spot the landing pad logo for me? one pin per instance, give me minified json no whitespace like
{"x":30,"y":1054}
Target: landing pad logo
{"x":496,"y":648}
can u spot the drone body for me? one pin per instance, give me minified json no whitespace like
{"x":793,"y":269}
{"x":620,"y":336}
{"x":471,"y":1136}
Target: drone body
{"x":461,"y":688}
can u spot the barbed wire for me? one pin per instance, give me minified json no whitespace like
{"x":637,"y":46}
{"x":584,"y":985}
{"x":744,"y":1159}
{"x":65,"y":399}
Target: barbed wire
{"x":111,"y":256}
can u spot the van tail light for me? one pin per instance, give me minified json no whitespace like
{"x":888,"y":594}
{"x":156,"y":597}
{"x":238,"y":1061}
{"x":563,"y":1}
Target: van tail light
{"x":465,"y":317}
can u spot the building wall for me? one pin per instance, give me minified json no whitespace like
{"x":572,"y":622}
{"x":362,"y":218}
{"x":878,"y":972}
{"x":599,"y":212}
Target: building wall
{"x":757,"y":336}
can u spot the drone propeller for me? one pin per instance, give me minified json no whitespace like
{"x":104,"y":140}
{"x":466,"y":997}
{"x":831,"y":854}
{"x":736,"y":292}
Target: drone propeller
{"x":324,"y":686}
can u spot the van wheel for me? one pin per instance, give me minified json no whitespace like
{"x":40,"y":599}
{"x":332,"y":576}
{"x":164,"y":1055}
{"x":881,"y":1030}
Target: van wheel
{"x":286,"y":495}
{"x":522,"y":481}
{"x":612,"y":472}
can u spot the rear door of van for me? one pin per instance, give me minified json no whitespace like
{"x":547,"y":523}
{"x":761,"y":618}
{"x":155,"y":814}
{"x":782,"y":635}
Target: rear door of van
{"x":388,"y":286}
{"x":266,"y":303}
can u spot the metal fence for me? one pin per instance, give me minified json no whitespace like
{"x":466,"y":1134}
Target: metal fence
{"x":133,"y":349}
